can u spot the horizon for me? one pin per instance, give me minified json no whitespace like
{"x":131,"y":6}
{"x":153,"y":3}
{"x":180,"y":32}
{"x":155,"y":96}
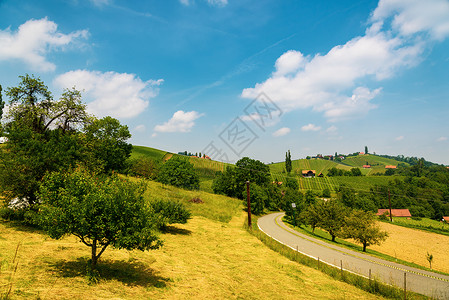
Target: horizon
{"x":240,"y":78}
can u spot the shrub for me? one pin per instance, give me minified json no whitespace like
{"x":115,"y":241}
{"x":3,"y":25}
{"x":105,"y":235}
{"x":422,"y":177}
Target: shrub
{"x":180,"y":173}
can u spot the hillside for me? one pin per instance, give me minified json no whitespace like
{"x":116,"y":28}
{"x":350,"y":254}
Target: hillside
{"x":142,"y":151}
{"x":210,"y":257}
{"x":377,"y":163}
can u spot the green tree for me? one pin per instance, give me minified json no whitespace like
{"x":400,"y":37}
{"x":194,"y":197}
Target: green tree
{"x":258,"y":197}
{"x":332,"y":219}
{"x":356,"y":172}
{"x":232,"y":182}
{"x":101,"y":212}
{"x":288,"y":162}
{"x":312,"y":215}
{"x":180,"y":173}
{"x":169,"y":212}
{"x":361,"y":226}
{"x":292,"y":183}
{"x":107,"y":140}
{"x":2,"y":104}
{"x":144,"y":167}
{"x":366,"y":149}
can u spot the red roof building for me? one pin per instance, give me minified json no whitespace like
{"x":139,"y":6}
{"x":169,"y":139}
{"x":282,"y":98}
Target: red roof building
{"x":395,"y":212}
{"x":308,"y":173}
{"x":390,"y":167}
{"x":366,"y":166}
{"x":446,"y":219}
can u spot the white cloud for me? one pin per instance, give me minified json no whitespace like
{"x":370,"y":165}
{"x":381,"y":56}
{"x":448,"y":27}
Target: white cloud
{"x":399,"y":138}
{"x":218,"y":2}
{"x":281,"y":132}
{"x":34,"y":40}
{"x":415,"y":16}
{"x":119,"y":95}
{"x":442,"y":139}
{"x":185,"y":2}
{"x":332,"y":129}
{"x":337,"y":83}
{"x":180,"y":122}
{"x":310,"y":127}
{"x":140,"y":128}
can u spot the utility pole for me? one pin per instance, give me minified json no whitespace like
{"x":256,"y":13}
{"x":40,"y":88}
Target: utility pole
{"x":389,"y":200}
{"x":249,"y":204}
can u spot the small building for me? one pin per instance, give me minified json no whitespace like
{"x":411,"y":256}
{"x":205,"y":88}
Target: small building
{"x":390,"y":167}
{"x":445,"y":219}
{"x":366,"y":166}
{"x":395,"y":212}
{"x":308,"y":173}
{"x":321,"y":175}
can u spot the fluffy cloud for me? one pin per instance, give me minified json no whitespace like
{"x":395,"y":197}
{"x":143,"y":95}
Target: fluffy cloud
{"x":442,"y":139}
{"x":281,"y":132}
{"x":310,"y":127}
{"x":180,"y":122}
{"x":120,"y":95}
{"x":336,"y":83}
{"x":415,"y":16}
{"x":34,"y":40}
{"x":399,"y":138}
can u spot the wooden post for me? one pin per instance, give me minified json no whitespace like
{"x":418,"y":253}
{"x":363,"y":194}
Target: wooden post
{"x":341,"y":266}
{"x":389,"y":200}
{"x":405,"y":285}
{"x":369,"y":276}
{"x":249,"y":204}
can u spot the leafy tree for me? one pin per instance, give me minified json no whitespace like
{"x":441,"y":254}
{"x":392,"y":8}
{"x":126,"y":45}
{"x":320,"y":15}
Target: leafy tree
{"x":180,"y":173}
{"x":107,"y":140}
{"x":288,"y":162}
{"x":356,"y":172}
{"x":145,"y":167}
{"x":292,"y":183}
{"x":99,"y":211}
{"x":274,"y":197}
{"x":292,"y":196}
{"x":310,"y":197}
{"x":2,"y":104}
{"x":258,"y":197}
{"x":232,"y":182}
{"x":312,"y":215}
{"x":361,"y":226}
{"x":326,"y":193}
{"x":333,"y":215}
{"x":366,"y":149}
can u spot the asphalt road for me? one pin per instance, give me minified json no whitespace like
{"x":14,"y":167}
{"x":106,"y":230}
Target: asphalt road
{"x":420,"y":281}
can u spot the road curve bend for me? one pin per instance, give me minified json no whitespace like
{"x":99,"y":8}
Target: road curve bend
{"x":419,"y":281}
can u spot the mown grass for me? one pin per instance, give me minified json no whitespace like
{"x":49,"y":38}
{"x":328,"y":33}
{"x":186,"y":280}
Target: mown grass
{"x":372,"y":286}
{"x":211,"y":257}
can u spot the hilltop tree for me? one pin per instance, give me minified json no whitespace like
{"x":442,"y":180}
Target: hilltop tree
{"x":101,"y":212}
{"x":366,"y":149}
{"x":2,"y":104}
{"x":180,"y":173}
{"x":361,"y":226}
{"x":288,"y":162}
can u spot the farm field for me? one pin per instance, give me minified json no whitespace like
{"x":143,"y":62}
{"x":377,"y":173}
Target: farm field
{"x":319,"y":165}
{"x":203,"y":259}
{"x":377,"y":163}
{"x":412,"y":245}
{"x":364,"y":183}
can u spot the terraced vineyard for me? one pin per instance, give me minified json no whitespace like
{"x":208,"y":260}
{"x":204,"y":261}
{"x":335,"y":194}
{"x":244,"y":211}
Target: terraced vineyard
{"x":377,"y":163}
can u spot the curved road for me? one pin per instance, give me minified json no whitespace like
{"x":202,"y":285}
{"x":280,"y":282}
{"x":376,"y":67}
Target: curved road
{"x":420,"y":281}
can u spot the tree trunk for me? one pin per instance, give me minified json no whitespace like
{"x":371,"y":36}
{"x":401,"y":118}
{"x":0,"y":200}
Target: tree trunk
{"x":94,"y":254}
{"x":364,"y":247}
{"x":333,"y":238}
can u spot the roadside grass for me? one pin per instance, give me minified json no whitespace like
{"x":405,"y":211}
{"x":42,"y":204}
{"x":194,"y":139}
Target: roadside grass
{"x":423,"y":224}
{"x":374,"y":250}
{"x":203,"y":259}
{"x":372,"y":286}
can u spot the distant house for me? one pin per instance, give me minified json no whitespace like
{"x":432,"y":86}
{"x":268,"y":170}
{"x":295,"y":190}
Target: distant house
{"x":308,"y":173}
{"x":395,"y":212}
{"x":321,"y":175}
{"x":366,"y":166}
{"x":206,"y":157}
{"x":445,"y":219}
{"x":361,"y":153}
{"x":390,"y":167}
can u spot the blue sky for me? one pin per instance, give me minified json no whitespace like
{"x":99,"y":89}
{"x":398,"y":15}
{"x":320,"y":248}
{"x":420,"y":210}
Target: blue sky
{"x":246,"y":78}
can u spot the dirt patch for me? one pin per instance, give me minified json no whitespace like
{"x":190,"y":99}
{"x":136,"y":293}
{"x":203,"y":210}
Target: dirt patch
{"x":196,"y":200}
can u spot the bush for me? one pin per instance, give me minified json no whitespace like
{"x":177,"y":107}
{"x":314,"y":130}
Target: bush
{"x":258,"y":197}
{"x":144,"y":167}
{"x":170,"y":212}
{"x":180,"y":173}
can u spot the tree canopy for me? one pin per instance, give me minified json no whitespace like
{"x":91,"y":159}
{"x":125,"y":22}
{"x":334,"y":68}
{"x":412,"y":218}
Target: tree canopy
{"x":179,"y":172}
{"x":100,"y":211}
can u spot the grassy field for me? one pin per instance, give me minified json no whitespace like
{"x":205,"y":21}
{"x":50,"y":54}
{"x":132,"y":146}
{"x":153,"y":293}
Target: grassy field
{"x":141,"y":151}
{"x":377,"y":163}
{"x":210,"y":257}
{"x":424,"y":224}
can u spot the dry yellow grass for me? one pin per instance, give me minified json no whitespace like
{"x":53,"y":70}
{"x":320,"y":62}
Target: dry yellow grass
{"x":203,"y":259}
{"x":412,"y":245}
